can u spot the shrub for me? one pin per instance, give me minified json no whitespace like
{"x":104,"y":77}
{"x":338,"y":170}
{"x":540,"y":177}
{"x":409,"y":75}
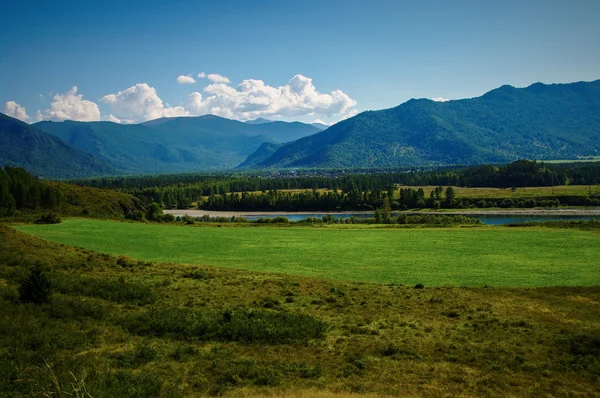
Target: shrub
{"x":195,"y":274}
{"x":65,"y":307}
{"x":390,"y":350}
{"x":585,"y":344}
{"x":136,"y":215}
{"x":36,"y":288}
{"x":142,"y":353}
{"x":257,"y":326}
{"x":451,"y":314}
{"x":125,"y":261}
{"x":188,"y":219}
{"x":49,"y":218}
{"x":168,"y":217}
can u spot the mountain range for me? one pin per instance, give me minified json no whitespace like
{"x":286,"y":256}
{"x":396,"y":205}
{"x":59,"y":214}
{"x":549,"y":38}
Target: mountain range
{"x":557,"y":121}
{"x":22,"y":145}
{"x":172,"y":145}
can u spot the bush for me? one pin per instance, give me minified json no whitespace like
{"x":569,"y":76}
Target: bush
{"x":142,"y":353}
{"x":168,"y":217}
{"x":49,"y":218}
{"x":585,"y":344}
{"x":195,"y":274}
{"x":257,"y":326}
{"x":136,"y":215}
{"x":36,"y":288}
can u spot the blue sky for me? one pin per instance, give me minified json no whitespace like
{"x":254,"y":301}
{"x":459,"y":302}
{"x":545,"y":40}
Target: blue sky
{"x":300,"y":60}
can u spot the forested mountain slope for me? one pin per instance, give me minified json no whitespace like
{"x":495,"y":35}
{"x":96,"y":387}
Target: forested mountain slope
{"x":558,"y":121}
{"x":43,"y":154}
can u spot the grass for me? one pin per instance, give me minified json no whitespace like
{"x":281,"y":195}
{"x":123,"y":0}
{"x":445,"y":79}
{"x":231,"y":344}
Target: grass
{"x":522,"y":193}
{"x":497,"y":193}
{"x":580,"y":159}
{"x":492,"y":256}
{"x":379,"y":340}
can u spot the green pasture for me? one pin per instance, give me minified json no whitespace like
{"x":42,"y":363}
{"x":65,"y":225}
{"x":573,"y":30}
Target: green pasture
{"x":493,"y":256}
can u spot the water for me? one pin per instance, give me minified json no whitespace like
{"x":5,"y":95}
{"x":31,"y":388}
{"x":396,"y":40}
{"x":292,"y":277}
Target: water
{"x":490,"y":219}
{"x":300,"y":217}
{"x":517,"y":219}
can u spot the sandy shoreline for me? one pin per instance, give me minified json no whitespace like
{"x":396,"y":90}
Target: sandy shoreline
{"x":479,"y":212}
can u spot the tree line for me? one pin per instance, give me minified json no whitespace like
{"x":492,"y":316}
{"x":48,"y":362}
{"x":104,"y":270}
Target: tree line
{"x":179,"y":191}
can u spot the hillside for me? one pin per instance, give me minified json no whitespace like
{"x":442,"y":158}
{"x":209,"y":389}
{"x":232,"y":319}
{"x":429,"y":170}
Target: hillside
{"x":173,"y":145}
{"x":43,"y":154}
{"x":26,"y":197}
{"x":558,"y":121}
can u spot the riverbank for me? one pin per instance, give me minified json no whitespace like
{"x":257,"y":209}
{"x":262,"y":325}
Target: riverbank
{"x":592,"y":212}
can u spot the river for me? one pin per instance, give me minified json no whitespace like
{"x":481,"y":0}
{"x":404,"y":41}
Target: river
{"x":491,"y":218}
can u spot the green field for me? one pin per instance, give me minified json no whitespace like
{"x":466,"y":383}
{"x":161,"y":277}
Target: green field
{"x":117,"y":327}
{"x":493,"y":256}
{"x":491,"y":193}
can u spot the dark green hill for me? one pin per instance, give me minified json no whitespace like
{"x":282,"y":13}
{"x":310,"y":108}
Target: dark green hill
{"x":181,"y":144}
{"x":559,"y":121}
{"x":43,"y":154}
{"x":260,"y":155}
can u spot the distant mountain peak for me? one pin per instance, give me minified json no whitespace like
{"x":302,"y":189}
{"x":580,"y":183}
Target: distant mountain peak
{"x":259,"y":120}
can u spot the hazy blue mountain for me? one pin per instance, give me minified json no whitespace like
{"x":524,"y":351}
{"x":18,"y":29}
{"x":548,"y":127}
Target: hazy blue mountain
{"x":181,"y":144}
{"x":557,"y":121}
{"x":218,"y":127}
{"x":259,"y":120}
{"x":43,"y":154}
{"x":320,"y":126}
{"x":174,"y":145}
{"x":285,"y":131}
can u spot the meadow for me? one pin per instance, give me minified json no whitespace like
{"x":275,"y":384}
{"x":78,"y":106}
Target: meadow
{"x":487,"y":192}
{"x":468,"y":256}
{"x":121,"y":327}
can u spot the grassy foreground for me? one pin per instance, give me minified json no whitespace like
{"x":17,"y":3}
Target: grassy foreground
{"x":126,"y":328}
{"x":492,"y":256}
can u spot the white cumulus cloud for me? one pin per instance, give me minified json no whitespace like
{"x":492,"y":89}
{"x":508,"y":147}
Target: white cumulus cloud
{"x":201,"y":75}
{"x":319,"y":121}
{"x":213,"y":77}
{"x":140,"y":103}
{"x":440,"y":99}
{"x":70,"y":106}
{"x":253,"y":98}
{"x":250,"y":99}
{"x":12,"y":109}
{"x":182,"y":79}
